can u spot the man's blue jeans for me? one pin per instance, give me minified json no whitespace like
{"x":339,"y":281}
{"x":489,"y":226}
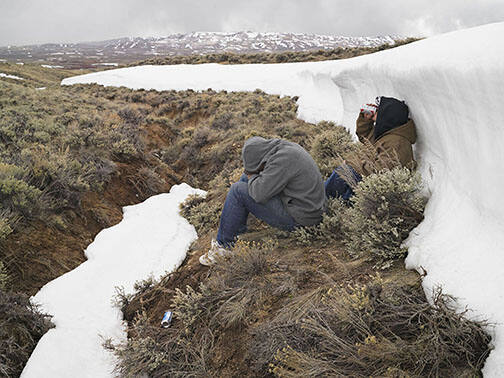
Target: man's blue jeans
{"x":336,"y":186}
{"x":237,"y":207}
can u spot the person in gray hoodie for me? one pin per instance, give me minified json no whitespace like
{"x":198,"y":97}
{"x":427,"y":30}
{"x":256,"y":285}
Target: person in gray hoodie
{"x":282,"y":186}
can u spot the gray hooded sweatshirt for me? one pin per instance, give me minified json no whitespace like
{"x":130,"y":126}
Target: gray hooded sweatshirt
{"x":289,"y":172}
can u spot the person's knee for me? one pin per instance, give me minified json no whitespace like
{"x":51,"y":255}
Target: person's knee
{"x":239,"y":188}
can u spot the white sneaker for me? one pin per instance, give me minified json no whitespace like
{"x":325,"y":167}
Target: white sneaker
{"x":215,"y":250}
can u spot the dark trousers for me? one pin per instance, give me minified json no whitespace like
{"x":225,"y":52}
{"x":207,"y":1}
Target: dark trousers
{"x":237,"y":207}
{"x":336,"y":186}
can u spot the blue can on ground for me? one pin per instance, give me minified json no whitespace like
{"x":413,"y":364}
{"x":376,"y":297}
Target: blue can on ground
{"x":167,"y":319}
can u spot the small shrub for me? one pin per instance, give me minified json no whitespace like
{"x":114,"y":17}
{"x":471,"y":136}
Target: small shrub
{"x":145,"y":354}
{"x":61,"y":176}
{"x":122,"y":299}
{"x":223,"y":122}
{"x":231,"y":292}
{"x":123,"y":149}
{"x":201,"y":137}
{"x":15,"y":193}
{"x":229,"y":297}
{"x":386,"y":207}
{"x":4,"y":278}
{"x":21,"y":327}
{"x":328,"y":230}
{"x":203,"y":214}
{"x":171,"y":154}
{"x":329,"y":147}
{"x":8,"y":219}
{"x":149,"y":182}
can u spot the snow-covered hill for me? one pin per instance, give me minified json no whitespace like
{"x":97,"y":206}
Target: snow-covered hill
{"x":127,"y":50}
{"x":209,"y":42}
{"x":454,"y":86}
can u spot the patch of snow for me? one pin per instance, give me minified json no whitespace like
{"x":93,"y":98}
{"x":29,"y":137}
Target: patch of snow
{"x":40,"y":89}
{"x":152,"y":239}
{"x":48,"y":66}
{"x":20,"y":63}
{"x":106,"y":64}
{"x":454,"y":86}
{"x":252,"y":35}
{"x":10,"y":76}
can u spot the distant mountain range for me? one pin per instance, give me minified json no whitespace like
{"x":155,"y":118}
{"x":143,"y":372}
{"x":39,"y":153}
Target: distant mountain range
{"x":128,"y":50}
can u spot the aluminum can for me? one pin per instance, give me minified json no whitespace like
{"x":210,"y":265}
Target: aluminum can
{"x":167,"y":319}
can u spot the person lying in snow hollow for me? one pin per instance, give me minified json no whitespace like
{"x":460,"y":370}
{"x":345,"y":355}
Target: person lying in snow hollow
{"x":387,"y":127}
{"x":282,"y":186}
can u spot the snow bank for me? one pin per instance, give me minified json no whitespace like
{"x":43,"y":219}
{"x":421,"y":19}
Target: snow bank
{"x":317,"y":93}
{"x":10,"y":76}
{"x":151,"y":239}
{"x":49,"y":66}
{"x":106,"y":64}
{"x":454,"y":85}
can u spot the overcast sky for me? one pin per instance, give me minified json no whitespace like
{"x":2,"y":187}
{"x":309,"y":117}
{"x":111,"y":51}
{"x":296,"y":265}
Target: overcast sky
{"x":41,"y":21}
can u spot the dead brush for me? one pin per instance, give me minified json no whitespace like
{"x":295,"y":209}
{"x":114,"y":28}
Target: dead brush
{"x":4,"y":277}
{"x":147,"y":183}
{"x":170,"y":353}
{"x":371,"y":330}
{"x":21,"y":327}
{"x":237,"y":288}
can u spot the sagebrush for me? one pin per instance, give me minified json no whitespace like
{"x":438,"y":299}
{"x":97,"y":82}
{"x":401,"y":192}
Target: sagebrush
{"x":385,"y":208}
{"x":21,"y":327}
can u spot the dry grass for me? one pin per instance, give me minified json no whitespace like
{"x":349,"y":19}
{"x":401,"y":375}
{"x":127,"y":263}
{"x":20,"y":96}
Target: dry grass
{"x":370,"y":330}
{"x":21,"y":326}
{"x":232,"y":298}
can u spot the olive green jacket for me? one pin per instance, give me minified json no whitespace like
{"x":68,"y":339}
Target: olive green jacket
{"x":395,"y":143}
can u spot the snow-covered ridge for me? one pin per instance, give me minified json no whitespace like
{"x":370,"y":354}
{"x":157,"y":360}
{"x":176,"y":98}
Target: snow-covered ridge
{"x":207,"y":42}
{"x":127,"y":50}
{"x":454,"y":86}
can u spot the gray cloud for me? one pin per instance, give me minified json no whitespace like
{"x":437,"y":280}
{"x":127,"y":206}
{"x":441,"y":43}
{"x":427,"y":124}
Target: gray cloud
{"x":28,"y":21}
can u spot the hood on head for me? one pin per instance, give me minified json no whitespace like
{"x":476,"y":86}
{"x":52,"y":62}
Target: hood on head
{"x":391,"y":114}
{"x":406,"y":131}
{"x":256,"y":151}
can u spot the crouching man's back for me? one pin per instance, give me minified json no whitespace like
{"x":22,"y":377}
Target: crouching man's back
{"x":289,"y":172}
